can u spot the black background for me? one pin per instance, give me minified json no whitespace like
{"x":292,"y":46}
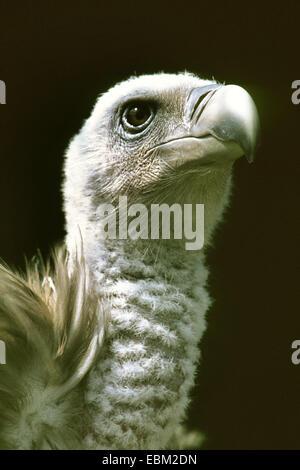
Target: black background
{"x":56,"y":57}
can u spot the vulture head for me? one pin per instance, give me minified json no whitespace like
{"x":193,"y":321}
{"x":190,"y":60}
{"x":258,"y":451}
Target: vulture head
{"x":169,"y":138}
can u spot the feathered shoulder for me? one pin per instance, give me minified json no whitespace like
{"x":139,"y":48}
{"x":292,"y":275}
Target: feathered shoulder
{"x":51,"y":329}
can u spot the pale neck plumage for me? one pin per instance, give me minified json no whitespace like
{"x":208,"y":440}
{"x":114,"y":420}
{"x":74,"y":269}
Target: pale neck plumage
{"x":138,"y":391}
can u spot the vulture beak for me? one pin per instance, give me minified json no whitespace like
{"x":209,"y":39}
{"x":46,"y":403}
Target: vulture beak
{"x":223,"y":125}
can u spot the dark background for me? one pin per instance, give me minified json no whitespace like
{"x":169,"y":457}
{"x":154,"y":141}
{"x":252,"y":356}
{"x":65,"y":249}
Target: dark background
{"x":56,"y":57}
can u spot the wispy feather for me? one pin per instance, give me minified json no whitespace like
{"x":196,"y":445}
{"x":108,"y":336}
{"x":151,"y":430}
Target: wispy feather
{"x":53,"y":327}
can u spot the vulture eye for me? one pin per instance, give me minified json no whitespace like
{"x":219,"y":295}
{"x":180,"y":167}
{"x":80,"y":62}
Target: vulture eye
{"x":136,"y":117}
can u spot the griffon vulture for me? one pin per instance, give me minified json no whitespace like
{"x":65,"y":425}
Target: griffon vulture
{"x":102,"y":340}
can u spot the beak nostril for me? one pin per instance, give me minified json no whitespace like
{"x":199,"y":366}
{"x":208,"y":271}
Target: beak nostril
{"x":203,"y":104}
{"x":198,"y":102}
{"x":198,"y":97}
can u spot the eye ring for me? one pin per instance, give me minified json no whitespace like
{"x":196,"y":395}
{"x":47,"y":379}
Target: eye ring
{"x":137,"y":116}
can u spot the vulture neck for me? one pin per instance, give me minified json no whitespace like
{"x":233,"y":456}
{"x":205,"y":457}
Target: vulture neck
{"x":138,"y":391}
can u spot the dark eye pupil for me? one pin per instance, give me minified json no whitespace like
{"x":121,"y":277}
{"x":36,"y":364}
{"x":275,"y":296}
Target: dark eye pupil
{"x":138,"y":115}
